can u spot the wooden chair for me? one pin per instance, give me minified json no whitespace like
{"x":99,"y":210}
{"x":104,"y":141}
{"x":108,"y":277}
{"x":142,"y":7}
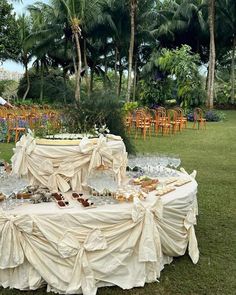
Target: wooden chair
{"x":173,"y":120}
{"x":181,"y":118}
{"x":198,"y":118}
{"x":128,"y":122}
{"x":14,"y":126}
{"x":163,"y":121}
{"x":143,"y":123}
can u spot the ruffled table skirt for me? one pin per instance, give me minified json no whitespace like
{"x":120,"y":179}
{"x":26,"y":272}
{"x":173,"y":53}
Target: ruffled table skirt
{"x":76,"y":250}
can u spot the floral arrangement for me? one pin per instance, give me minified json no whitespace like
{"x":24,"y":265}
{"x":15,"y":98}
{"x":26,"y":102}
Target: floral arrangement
{"x":101,"y":130}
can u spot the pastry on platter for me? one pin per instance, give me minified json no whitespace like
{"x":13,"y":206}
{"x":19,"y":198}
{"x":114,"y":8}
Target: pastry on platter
{"x":2,"y":197}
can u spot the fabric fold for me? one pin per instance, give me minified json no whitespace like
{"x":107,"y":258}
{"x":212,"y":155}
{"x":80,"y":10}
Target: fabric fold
{"x":189,"y":222}
{"x":82,"y":274}
{"x":11,"y":252}
{"x":150,"y":244}
{"x":22,"y":151}
{"x":57,"y":177}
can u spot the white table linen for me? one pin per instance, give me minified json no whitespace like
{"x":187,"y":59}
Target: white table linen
{"x":75,"y":250}
{"x":67,"y":167}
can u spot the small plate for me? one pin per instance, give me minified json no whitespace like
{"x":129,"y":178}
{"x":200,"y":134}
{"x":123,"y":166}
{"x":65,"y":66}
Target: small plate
{"x":64,"y":207}
{"x":182,"y":182}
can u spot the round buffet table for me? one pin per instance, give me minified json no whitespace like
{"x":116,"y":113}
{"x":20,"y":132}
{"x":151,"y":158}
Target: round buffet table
{"x":62,"y":165}
{"x":77,"y":250}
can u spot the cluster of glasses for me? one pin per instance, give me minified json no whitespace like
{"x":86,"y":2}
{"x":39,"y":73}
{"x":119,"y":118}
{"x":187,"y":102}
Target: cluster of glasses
{"x":101,"y":180}
{"x":102,"y":200}
{"x":9,"y":186}
{"x":155,"y":165}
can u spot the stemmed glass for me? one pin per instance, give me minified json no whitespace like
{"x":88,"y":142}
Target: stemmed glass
{"x":163,"y":163}
{"x":176,"y":162}
{"x":171,"y":164}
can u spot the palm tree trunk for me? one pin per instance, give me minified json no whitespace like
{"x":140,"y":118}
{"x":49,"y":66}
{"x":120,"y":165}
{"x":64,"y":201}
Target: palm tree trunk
{"x":120,"y":76}
{"x":211,"y":19}
{"x":233,"y":71}
{"x":28,"y":81}
{"x":86,"y":69}
{"x":105,"y":74}
{"x":64,"y":82}
{"x":207,"y":78}
{"x":133,"y":6}
{"x":120,"y":82}
{"x":79,"y":65}
{"x":135,"y":77}
{"x":116,"y":60}
{"x":41,"y":82}
{"x":91,"y":81}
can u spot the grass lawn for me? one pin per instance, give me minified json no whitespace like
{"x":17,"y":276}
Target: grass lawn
{"x":212,"y":153}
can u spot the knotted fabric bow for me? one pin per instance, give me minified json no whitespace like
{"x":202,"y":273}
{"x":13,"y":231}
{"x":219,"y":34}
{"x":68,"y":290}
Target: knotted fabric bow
{"x":189,"y":222}
{"x":56,"y":178}
{"x":23,"y":149}
{"x":82,"y":275}
{"x":100,"y":153}
{"x":11,"y":229}
{"x":150,"y":243}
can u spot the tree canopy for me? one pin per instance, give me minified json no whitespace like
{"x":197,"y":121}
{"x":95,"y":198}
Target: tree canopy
{"x":9,"y":38}
{"x":116,"y":40}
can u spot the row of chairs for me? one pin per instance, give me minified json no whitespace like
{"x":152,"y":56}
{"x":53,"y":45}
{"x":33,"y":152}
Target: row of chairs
{"x":171,"y":121}
{"x":17,"y":120}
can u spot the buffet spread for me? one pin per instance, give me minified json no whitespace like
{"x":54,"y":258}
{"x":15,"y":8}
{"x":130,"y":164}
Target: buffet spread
{"x":90,"y":225}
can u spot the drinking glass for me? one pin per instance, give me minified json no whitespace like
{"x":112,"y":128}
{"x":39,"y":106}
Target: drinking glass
{"x":171,"y":164}
{"x":163,"y":163}
{"x":176,"y":162}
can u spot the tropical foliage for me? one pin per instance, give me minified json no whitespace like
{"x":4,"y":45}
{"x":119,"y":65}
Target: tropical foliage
{"x":129,"y":40}
{"x":9,"y":38}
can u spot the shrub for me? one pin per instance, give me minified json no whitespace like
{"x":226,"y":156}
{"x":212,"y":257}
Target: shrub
{"x":54,"y":88}
{"x":214,"y":116}
{"x":100,"y":109}
{"x":210,"y":115}
{"x":130,"y":106}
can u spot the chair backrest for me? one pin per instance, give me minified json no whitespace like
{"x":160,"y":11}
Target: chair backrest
{"x":161,"y":109}
{"x":172,"y":115}
{"x":197,"y":114}
{"x":160,"y":115}
{"x":12,"y":121}
{"x":180,"y":112}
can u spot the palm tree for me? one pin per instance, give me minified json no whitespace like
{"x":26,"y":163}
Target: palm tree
{"x":65,"y":21}
{"x":115,"y":20}
{"x":51,"y":37}
{"x":212,"y":56}
{"x":226,"y":20}
{"x":133,"y":9}
{"x":25,"y":54}
{"x":79,"y":14}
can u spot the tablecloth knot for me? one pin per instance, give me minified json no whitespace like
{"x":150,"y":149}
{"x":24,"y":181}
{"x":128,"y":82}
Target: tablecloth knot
{"x":189,"y":222}
{"x":56,"y":177}
{"x":150,"y":250}
{"x":82,"y":274}
{"x":11,"y":229}
{"x":192,"y":175}
{"x":150,"y":244}
{"x":23,"y":149}
{"x":139,"y":210}
{"x":101,"y":153}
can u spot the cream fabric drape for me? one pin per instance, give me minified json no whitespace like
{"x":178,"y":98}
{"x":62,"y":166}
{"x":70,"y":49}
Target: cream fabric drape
{"x":76,"y":250}
{"x":65,"y":167}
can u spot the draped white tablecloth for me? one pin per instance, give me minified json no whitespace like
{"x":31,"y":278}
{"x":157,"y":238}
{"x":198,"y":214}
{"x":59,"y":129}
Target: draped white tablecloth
{"x":76,"y":250}
{"x":67,"y":167}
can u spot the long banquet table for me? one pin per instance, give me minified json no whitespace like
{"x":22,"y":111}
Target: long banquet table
{"x":77,"y":250}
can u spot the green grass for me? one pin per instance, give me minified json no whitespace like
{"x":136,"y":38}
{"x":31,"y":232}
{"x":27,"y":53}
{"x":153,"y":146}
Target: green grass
{"x":212,"y":153}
